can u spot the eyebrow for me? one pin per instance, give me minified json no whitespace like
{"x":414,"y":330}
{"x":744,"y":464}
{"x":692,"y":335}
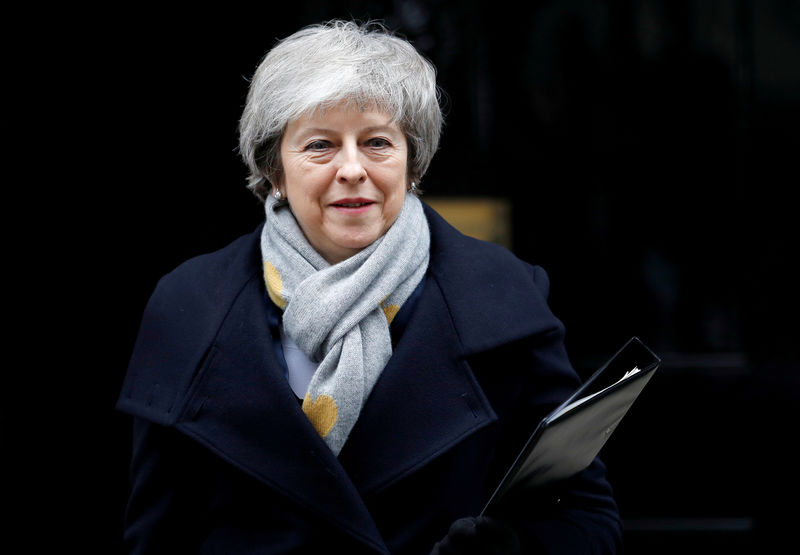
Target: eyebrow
{"x":370,"y":129}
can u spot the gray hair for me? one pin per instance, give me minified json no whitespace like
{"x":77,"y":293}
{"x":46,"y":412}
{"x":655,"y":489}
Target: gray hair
{"x":322,"y":65}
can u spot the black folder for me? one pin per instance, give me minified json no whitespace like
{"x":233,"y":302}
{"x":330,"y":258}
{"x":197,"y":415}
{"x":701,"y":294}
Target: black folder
{"x":569,"y":438}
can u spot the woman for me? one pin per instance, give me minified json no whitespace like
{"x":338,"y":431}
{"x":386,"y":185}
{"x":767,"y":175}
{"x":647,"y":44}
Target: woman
{"x":355,"y":374}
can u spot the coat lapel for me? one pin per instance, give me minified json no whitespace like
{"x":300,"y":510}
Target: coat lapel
{"x":425,"y":402}
{"x":243,"y":409}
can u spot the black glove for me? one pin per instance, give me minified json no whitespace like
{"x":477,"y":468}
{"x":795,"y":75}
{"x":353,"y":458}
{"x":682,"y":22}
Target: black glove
{"x":479,"y":536}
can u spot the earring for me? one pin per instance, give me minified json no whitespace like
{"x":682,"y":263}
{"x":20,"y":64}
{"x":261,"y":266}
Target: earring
{"x":414,"y":187}
{"x":278,"y":195}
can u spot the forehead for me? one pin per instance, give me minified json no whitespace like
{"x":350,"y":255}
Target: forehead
{"x":344,"y":117}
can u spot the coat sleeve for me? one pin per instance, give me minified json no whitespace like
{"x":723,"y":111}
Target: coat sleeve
{"x":574,"y":516}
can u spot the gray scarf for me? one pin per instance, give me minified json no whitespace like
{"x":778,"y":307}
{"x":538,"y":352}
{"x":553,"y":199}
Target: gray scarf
{"x":339,"y":315}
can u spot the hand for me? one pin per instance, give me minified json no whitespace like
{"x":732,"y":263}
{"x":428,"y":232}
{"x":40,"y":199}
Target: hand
{"x":479,"y":536}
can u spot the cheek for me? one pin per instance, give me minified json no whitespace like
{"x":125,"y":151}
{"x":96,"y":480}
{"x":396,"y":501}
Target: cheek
{"x":394,"y":195}
{"x":393,"y":177}
{"x":305,"y":189}
{"x":306,"y":209}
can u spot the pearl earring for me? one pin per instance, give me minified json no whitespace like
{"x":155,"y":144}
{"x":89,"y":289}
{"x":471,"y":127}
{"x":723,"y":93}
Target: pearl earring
{"x":278,"y":195}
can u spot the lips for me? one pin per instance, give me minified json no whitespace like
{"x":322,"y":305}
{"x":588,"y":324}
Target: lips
{"x":352,"y":203}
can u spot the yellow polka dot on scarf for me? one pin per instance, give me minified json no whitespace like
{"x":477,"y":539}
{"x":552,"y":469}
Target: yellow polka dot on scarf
{"x":274,"y":285}
{"x":390,"y":310}
{"x":322,"y":412}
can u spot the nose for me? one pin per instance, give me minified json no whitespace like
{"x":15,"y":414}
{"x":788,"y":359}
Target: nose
{"x":351,"y":169}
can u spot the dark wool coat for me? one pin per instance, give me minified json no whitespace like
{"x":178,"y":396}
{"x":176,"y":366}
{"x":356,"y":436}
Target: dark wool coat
{"x":225,"y":461}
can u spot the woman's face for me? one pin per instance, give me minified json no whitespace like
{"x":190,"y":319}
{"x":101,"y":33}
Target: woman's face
{"x":344,"y":175}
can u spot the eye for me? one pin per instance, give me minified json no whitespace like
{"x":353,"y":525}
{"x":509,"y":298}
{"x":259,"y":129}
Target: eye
{"x":318,"y":144}
{"x":378,"y":142}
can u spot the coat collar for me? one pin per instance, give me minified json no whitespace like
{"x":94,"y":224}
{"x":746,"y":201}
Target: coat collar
{"x":425,"y":402}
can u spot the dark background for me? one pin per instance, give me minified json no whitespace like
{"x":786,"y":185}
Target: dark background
{"x":648,"y":148}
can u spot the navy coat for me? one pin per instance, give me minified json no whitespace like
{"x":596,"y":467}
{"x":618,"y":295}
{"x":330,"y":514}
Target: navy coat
{"x":225,"y":461}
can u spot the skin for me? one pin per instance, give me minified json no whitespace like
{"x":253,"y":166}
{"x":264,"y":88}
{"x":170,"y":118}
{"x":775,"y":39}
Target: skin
{"x":345,"y":177}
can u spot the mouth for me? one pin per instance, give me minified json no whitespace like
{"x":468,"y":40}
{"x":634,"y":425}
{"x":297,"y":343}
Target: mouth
{"x":352,"y":204}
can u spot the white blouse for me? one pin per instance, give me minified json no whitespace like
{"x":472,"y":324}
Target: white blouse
{"x":301,"y":369}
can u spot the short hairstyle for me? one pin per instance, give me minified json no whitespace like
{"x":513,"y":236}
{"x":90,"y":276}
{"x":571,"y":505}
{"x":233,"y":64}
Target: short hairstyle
{"x":322,"y":65}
